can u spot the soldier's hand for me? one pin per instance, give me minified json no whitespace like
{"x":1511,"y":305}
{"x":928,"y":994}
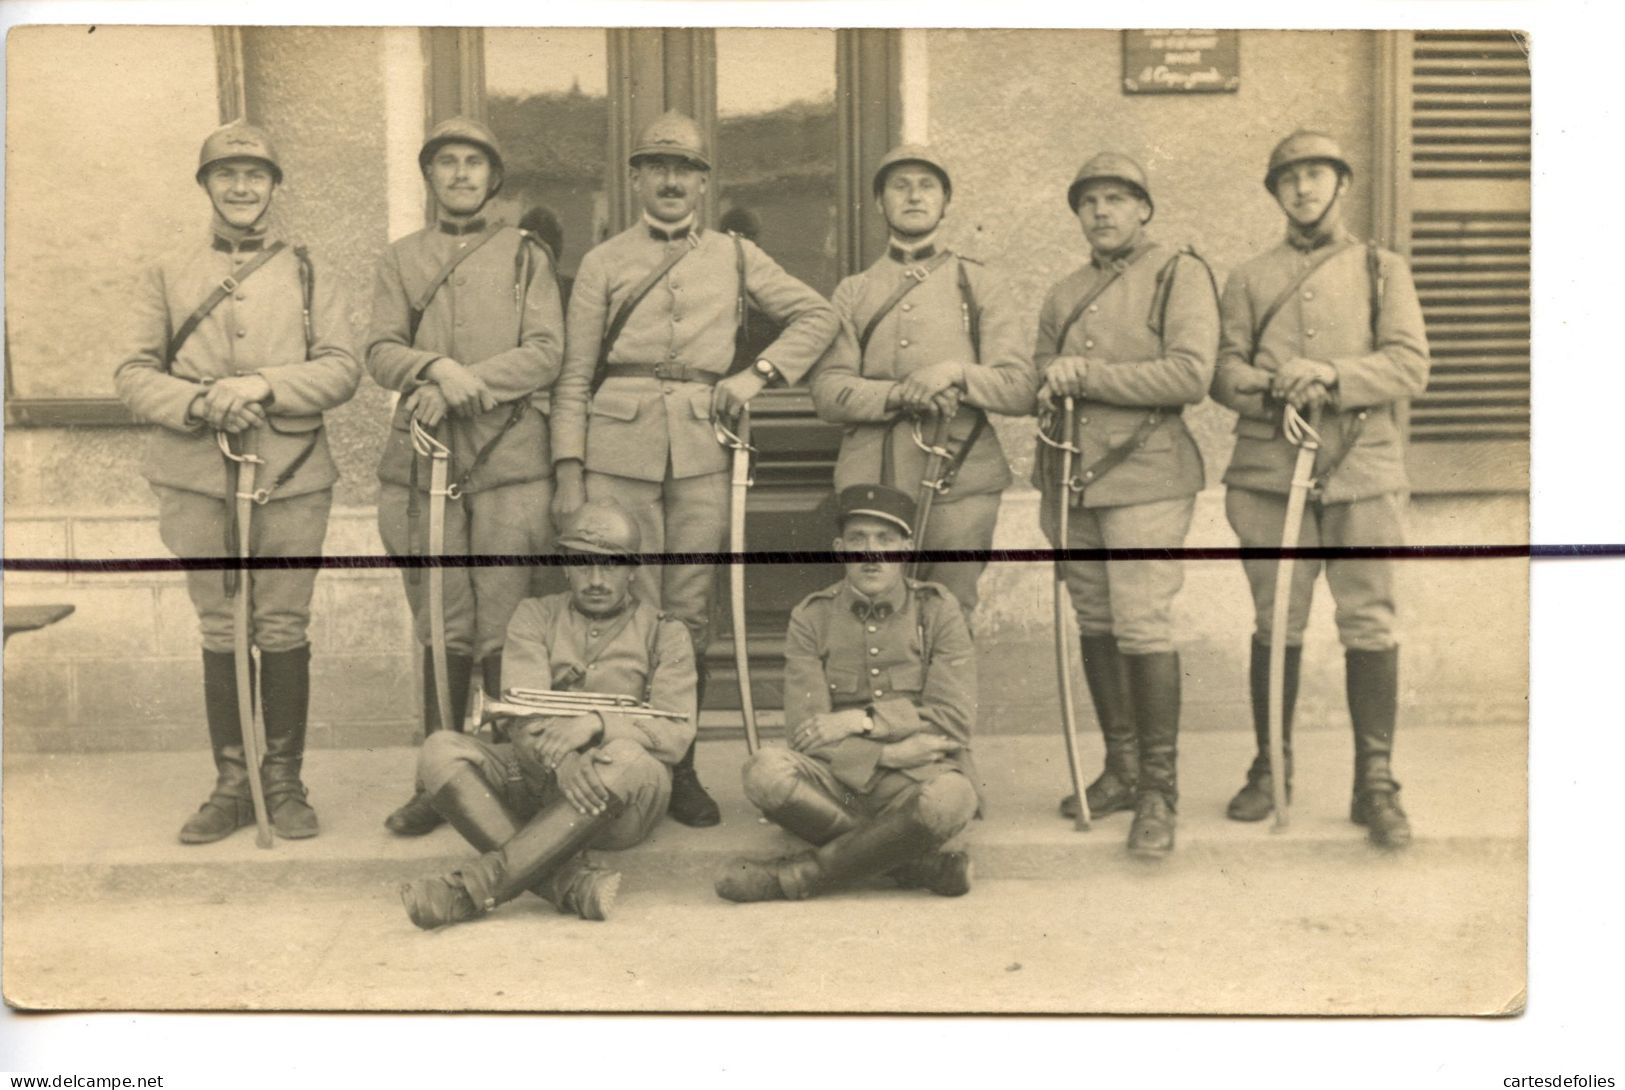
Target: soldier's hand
{"x":1293,"y":380}
{"x":581,"y":784}
{"x":730,"y":396}
{"x":1250,"y":380}
{"x":1063,"y":378}
{"x":916,"y":750}
{"x":825,"y":729}
{"x":427,"y":405}
{"x":569,"y":492}
{"x":227,"y":406}
{"x":465,"y":392}
{"x":946,"y":403}
{"x":919,"y":387}
{"x":1313,"y":398}
{"x":562,"y":736}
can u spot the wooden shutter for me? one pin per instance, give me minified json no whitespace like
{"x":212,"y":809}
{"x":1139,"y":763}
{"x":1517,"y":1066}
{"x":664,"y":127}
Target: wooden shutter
{"x":1464,"y":129}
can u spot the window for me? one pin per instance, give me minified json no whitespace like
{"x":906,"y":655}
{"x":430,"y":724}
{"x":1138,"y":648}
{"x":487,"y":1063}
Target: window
{"x":101,"y":152}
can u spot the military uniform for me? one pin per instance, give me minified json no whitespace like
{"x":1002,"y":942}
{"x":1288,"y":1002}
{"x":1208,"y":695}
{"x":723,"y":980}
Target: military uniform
{"x":930,"y":325}
{"x":286,"y":323}
{"x":497,"y":314}
{"x":1357,"y":311}
{"x":506,"y":800}
{"x":904,"y":662}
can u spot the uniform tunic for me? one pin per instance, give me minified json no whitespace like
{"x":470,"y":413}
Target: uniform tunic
{"x":646,"y":442}
{"x":929,"y":325}
{"x":259,"y":328}
{"x":550,"y":645}
{"x":497,"y":314}
{"x":1148,"y":340}
{"x":1327,"y":319}
{"x":906,"y":660}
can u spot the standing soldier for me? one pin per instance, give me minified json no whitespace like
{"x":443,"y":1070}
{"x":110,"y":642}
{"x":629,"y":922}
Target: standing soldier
{"x":879,"y":703}
{"x":242,"y":337}
{"x":1130,"y":336}
{"x":926,"y":332}
{"x":1323,"y":323}
{"x":566,"y":782}
{"x":653,"y":322}
{"x":466,"y":326}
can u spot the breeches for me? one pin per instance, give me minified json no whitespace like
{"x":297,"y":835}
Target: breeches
{"x":193,"y":525}
{"x":966,"y":523}
{"x":512,"y":519}
{"x":1132,"y":600}
{"x":1363,"y":589}
{"x":512,"y":770}
{"x":945,"y":802}
{"x":687,"y":515}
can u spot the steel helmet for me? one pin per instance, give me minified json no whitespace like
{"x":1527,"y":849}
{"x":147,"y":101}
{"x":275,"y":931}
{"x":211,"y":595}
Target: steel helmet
{"x":238,"y":140}
{"x":913,"y":153}
{"x":1305,"y":146}
{"x":675,"y":134}
{"x":603,"y":527}
{"x":464,"y":130}
{"x":1109,"y":166}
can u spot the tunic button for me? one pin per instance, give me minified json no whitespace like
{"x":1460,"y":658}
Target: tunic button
{"x":1094,"y":308}
{"x":880,"y":692}
{"x":903,"y":343}
{"x":1088,"y":474}
{"x":908,"y":306}
{"x":874,"y":650}
{"x":873,"y":629}
{"x":832,"y":685}
{"x":1308,"y":333}
{"x":460,"y":280}
{"x":671,"y":355}
{"x":874,"y":671}
{"x":241,"y":297}
{"x":242,"y":333}
{"x":593,"y":633}
{"x":1088,"y":344}
{"x":1083,"y":420}
{"x":1308,"y":294}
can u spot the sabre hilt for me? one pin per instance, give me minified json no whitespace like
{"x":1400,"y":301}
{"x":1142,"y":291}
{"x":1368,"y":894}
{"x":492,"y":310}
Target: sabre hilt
{"x":429,"y":446}
{"x":260,"y":496}
{"x":941,"y":483}
{"x":1064,"y":444}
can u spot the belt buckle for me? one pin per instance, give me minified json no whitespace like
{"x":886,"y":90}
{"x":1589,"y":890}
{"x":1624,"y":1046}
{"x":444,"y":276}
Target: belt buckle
{"x":663,"y":374}
{"x":230,"y":283}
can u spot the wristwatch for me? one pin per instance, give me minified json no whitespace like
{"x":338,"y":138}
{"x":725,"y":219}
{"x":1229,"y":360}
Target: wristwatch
{"x":766,"y":372}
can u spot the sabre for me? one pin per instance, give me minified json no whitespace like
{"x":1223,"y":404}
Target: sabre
{"x":1068,"y":485}
{"x":439,"y":456}
{"x":1305,"y":435}
{"x":932,"y":483}
{"x":743,"y":478}
{"x":246,"y":495}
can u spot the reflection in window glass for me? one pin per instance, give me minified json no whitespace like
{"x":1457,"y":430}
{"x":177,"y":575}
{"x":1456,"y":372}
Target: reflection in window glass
{"x":101,"y":147}
{"x":546,"y":96}
{"x":777,"y":146}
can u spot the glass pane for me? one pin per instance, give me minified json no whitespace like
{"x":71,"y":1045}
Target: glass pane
{"x":546,"y":95}
{"x":101,"y":146}
{"x":777,"y":146}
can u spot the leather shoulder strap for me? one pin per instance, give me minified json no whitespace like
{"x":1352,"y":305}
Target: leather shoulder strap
{"x":970,"y":313}
{"x":1157,"y":319}
{"x":1289,"y":291}
{"x":1077,"y":311}
{"x":221,"y":290}
{"x":307,"y":292}
{"x":741,"y":306}
{"x":624,"y":312}
{"x":911,"y":280}
{"x":1373,"y":272}
{"x":420,"y":305}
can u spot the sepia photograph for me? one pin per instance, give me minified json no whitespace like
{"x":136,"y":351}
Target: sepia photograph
{"x":703,"y":519}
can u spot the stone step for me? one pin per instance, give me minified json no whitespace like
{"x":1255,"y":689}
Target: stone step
{"x":105,"y":824}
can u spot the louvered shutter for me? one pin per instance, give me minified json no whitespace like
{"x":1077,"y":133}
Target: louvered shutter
{"x":1468,"y":128}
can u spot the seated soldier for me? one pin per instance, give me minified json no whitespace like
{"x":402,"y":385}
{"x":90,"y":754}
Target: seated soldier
{"x":879,"y":699}
{"x":565,"y":783}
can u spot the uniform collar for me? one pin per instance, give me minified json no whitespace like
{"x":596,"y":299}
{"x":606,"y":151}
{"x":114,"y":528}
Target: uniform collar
{"x":627,"y":606}
{"x":1122,"y":259}
{"x":1309,"y":241}
{"x":467,"y":227}
{"x":228,"y":239}
{"x":662,"y":232}
{"x":911,"y":253}
{"x":876,"y":609}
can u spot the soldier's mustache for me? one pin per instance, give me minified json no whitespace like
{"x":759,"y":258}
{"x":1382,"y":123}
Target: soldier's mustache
{"x":671,"y":191}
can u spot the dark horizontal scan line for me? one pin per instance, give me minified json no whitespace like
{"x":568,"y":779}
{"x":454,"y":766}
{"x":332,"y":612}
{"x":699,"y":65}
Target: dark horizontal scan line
{"x":822,"y":556}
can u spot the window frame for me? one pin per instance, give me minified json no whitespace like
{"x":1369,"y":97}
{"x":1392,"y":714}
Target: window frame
{"x":29,"y":412}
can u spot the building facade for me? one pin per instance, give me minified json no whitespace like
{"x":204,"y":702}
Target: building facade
{"x":1436,"y":123}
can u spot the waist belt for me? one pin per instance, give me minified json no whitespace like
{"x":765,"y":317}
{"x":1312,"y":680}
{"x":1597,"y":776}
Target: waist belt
{"x":665,"y":372}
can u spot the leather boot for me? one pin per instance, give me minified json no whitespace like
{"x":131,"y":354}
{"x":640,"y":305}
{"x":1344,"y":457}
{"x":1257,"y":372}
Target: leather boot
{"x":947,"y":874}
{"x":544,"y":846}
{"x":285,"y":703}
{"x":1256,"y":801}
{"x":1154,"y":687}
{"x":875,"y":847}
{"x":231,"y":805}
{"x":1373,"y":694}
{"x":691,"y":804}
{"x":483,"y":819}
{"x":1106,"y":674}
{"x":812,"y":815}
{"x":417,"y":816}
